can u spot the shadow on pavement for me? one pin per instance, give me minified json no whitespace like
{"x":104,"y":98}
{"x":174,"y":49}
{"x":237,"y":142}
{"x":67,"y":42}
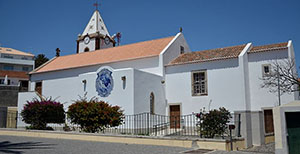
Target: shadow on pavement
{"x":8,"y":147}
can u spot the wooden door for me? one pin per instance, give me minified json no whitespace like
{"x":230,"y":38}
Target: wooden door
{"x":174,"y":116}
{"x":38,"y":87}
{"x":268,"y":117}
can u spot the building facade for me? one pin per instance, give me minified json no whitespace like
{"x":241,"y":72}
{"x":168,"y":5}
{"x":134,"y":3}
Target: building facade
{"x":162,"y":76}
{"x":15,"y":65}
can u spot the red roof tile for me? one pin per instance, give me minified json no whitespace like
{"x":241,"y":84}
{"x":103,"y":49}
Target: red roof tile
{"x":120,"y":53}
{"x":208,"y":55}
{"x":14,"y":74}
{"x":269,"y":47}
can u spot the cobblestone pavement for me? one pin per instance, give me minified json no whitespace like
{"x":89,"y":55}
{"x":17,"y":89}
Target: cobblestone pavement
{"x":265,"y":149}
{"x":235,"y":152}
{"x":268,"y":148}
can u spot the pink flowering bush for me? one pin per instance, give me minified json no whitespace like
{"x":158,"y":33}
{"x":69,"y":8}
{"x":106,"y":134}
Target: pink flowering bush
{"x":94,"y":115}
{"x":38,"y":113}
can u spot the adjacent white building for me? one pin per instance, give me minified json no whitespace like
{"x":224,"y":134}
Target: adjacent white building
{"x":160,"y":76}
{"x":15,"y":65}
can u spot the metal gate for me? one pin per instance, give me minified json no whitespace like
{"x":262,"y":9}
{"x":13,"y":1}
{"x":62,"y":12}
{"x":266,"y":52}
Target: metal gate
{"x":293,"y":129}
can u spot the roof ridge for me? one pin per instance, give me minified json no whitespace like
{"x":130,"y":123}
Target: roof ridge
{"x":219,"y":48}
{"x":208,"y":55}
{"x":3,"y":49}
{"x":269,"y":48}
{"x":270,"y":44}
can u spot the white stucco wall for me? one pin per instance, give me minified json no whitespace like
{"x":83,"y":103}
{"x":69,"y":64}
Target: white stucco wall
{"x":23,"y":97}
{"x":68,"y":89}
{"x":144,"y":84}
{"x":90,"y":45}
{"x":234,"y":83}
{"x":172,"y":50}
{"x":149,"y":64}
{"x":66,"y":85}
{"x":224,"y":86}
{"x":261,"y":97}
{"x":244,"y":77}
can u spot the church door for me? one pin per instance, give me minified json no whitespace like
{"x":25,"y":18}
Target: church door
{"x":174,"y":116}
{"x":38,"y":87}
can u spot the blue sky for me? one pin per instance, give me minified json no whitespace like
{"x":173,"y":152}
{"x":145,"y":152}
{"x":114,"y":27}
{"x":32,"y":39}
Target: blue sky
{"x":40,"y":26}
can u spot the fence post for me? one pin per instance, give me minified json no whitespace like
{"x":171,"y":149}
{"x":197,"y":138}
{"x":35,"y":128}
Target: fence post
{"x":231,"y":127}
{"x":175,"y":124}
{"x":148,"y":124}
{"x":239,"y":126}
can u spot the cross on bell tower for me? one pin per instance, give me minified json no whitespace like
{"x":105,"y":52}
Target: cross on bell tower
{"x":95,"y":35}
{"x":96,"y":5}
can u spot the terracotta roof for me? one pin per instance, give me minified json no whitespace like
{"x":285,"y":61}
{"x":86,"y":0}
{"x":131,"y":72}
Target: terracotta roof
{"x":14,"y":74}
{"x":208,"y":55}
{"x":14,"y":52}
{"x":269,"y":47}
{"x":120,"y":53}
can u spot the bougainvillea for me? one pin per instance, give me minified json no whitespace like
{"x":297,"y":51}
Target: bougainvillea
{"x":213,"y":122}
{"x":38,"y":113}
{"x":93,"y":115}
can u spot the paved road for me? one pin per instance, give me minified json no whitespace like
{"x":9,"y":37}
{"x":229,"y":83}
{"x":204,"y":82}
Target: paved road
{"x":23,"y":145}
{"x":18,"y":145}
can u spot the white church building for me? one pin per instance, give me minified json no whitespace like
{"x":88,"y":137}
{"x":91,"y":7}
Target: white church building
{"x":161,"y":76}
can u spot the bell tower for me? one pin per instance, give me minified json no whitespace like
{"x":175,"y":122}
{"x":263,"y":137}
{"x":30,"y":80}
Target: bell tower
{"x":95,"y":35}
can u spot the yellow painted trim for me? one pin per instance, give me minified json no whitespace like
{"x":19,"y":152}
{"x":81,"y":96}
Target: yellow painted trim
{"x":203,"y":144}
{"x":269,"y":139}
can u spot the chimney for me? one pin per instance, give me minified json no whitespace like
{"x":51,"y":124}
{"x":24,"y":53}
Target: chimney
{"x":57,"y":52}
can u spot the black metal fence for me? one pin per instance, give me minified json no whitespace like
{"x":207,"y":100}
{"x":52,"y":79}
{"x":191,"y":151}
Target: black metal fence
{"x":157,"y":125}
{"x":145,"y":124}
{"x":161,"y":125}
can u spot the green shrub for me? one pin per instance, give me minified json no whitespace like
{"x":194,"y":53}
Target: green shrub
{"x":38,"y":113}
{"x":213,"y":123}
{"x":93,"y":115}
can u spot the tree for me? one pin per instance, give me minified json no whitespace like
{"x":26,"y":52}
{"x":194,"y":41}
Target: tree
{"x":93,"y":115}
{"x":283,"y":77}
{"x":39,"y":60}
{"x":213,"y":123}
{"x":38,"y":113}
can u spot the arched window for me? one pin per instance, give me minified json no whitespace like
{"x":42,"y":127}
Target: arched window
{"x":151,"y":103}
{"x":86,"y":49}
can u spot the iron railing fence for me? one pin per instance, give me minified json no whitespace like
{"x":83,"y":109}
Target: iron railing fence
{"x":139,"y":124}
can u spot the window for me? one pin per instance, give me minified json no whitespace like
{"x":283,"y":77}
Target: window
{"x":86,"y":49}
{"x":266,"y":69}
{"x":8,"y":56}
{"x":152,"y":103}
{"x":8,"y":67}
{"x":181,"y":49}
{"x":199,"y":83}
{"x":26,"y":69}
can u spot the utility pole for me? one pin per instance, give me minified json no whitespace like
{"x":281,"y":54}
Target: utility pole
{"x":278,"y":84}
